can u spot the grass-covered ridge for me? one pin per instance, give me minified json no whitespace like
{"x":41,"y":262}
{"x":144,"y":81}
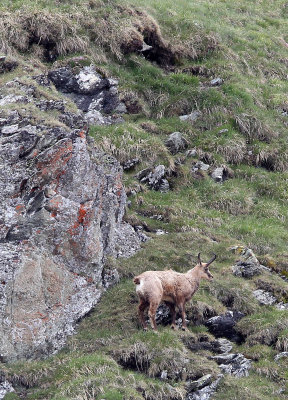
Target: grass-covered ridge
{"x":245,"y":44}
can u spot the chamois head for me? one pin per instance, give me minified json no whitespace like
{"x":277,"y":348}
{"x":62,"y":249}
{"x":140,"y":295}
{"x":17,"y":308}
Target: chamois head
{"x":204,"y":268}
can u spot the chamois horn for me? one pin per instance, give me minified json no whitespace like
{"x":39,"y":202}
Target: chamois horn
{"x":210,"y":261}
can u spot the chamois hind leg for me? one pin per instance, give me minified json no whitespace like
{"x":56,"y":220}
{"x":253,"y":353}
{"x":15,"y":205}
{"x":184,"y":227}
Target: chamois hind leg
{"x":152,"y":313}
{"x":183,"y":315}
{"x":173,"y":314}
{"x":141,"y":309}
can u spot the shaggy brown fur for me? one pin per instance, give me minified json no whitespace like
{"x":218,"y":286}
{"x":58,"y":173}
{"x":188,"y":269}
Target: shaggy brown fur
{"x":172,"y":288}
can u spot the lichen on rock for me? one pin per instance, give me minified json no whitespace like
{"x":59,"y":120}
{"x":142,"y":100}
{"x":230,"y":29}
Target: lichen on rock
{"x":61,"y":207}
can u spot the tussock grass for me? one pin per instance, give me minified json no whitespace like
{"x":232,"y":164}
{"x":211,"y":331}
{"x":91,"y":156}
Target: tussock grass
{"x":253,"y":129}
{"x":264,"y":328}
{"x":127,"y":141}
{"x":246,"y":47}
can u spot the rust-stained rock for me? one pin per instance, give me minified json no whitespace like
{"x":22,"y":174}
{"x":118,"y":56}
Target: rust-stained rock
{"x":61,"y":208}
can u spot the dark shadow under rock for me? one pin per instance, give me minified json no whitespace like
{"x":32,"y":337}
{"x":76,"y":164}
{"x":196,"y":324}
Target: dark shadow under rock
{"x":224,"y":326}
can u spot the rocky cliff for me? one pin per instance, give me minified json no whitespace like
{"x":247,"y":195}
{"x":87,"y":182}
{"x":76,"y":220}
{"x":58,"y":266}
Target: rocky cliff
{"x":62,"y":203}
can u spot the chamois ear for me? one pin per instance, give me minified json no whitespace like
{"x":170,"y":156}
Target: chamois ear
{"x":199,"y":260}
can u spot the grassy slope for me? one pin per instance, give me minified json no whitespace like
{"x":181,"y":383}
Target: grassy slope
{"x":199,"y":215}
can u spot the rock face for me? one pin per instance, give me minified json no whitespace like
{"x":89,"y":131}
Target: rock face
{"x":61,"y":208}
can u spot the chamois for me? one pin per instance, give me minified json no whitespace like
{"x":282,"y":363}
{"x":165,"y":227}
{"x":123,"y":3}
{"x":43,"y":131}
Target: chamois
{"x":172,"y":288}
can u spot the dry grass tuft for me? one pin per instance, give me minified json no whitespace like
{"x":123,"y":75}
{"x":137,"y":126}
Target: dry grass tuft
{"x":126,"y":30}
{"x":136,"y":357}
{"x":180,"y":365}
{"x":253,"y":129}
{"x":132,"y":102}
{"x":200,"y":46}
{"x":55,"y":34}
{"x":50,"y":34}
{"x":273,"y":159}
{"x":234,"y":151}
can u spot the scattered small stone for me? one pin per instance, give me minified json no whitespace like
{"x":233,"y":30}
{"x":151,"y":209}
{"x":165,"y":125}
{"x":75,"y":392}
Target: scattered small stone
{"x":224,"y":345}
{"x":89,"y":81}
{"x":160,"y":232}
{"x":143,"y":174}
{"x":200,"y":383}
{"x":92,"y":93}
{"x":121,"y":108}
{"x":217,"y":346}
{"x":221,"y":174}
{"x":278,"y":357}
{"x":163,"y":316}
{"x":217,"y":174}
{"x":158,"y":217}
{"x":264,"y":297}
{"x":176,"y":143}
{"x":155,"y":178}
{"x":190,"y":117}
{"x":164,"y":186}
{"x":223,"y":131}
{"x":96,"y":118}
{"x":2,"y":58}
{"x":282,"y":306}
{"x":110,"y":277}
{"x":164,"y":375}
{"x":191,"y":153}
{"x":145,"y":47}
{"x":140,"y":232}
{"x":233,"y":364}
{"x":130,"y":164}
{"x":200,"y":165}
{"x":206,"y":392}
{"x":216,"y":82}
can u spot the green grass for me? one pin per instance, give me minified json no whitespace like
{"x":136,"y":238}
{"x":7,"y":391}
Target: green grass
{"x":248,"y":51}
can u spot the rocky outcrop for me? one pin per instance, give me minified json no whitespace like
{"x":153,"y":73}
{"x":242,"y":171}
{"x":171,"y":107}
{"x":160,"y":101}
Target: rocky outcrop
{"x":94,"y":95}
{"x":62,"y":203}
{"x":205,"y":388}
{"x":176,"y":143}
{"x":248,"y":265}
{"x":155,"y":178}
{"x":224,"y":325}
{"x":233,"y":364}
{"x":5,"y":387}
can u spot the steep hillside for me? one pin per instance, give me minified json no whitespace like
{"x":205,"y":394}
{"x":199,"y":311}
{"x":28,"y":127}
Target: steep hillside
{"x":214,"y":72}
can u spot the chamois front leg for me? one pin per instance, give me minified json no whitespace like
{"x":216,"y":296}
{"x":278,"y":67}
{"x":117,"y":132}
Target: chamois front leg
{"x":183,"y":315}
{"x":173,"y":314}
